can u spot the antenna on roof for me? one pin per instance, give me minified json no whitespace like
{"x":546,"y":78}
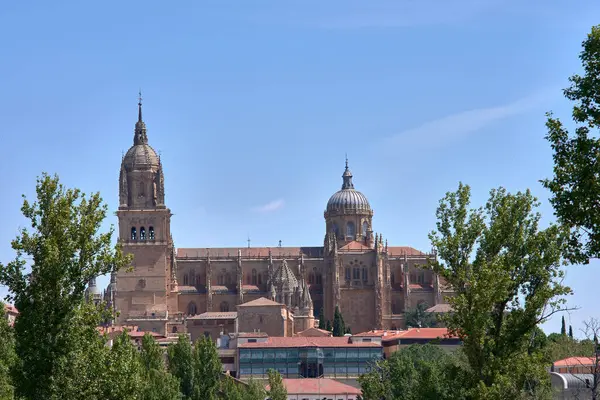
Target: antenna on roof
{"x":248,"y":240}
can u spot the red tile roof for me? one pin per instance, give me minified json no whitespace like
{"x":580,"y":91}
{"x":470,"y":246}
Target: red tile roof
{"x":355,"y":246}
{"x":301,"y":341}
{"x":261,"y":301}
{"x":410,"y":333}
{"x":252,"y":334}
{"x":312,"y":332}
{"x":215,"y":315}
{"x":252,"y":252}
{"x":575,"y":362}
{"x":321,"y":386}
{"x":402,"y":250}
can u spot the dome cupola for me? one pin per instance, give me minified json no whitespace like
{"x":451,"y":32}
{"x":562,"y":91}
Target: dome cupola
{"x":348,"y":200}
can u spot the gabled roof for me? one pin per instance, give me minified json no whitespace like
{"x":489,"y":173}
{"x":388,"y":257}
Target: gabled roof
{"x":314,"y":332}
{"x":260,"y":302}
{"x":575,"y":362}
{"x":355,"y":246}
{"x":402,"y":250}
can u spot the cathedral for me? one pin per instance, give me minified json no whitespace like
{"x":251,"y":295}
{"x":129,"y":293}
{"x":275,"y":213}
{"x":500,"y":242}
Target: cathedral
{"x":373,"y":284}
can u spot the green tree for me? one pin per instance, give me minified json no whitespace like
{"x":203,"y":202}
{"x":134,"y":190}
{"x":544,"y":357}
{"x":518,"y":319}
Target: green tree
{"x":207,"y":370}
{"x":180,"y":357}
{"x":339,"y":329}
{"x":230,"y":390}
{"x":328,"y":326}
{"x":124,"y":377}
{"x":322,"y":323}
{"x":254,"y":391}
{"x":414,"y":373}
{"x":159,"y":384}
{"x":563,"y":327}
{"x":8,"y":358}
{"x":507,"y":276}
{"x":570,"y":331}
{"x":277,"y":390}
{"x":420,"y":318}
{"x":63,"y":251}
{"x":575,"y":186}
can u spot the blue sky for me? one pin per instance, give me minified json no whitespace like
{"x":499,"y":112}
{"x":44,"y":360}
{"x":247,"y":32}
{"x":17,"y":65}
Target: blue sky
{"x":253,"y":106}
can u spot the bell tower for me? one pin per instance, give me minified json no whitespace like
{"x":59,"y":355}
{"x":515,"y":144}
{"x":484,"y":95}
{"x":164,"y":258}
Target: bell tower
{"x":142,"y":291}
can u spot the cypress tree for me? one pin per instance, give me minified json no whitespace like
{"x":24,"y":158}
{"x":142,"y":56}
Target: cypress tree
{"x":338,"y":323}
{"x":322,"y":323}
{"x":328,"y":326}
{"x":563,"y":327}
{"x":570,"y":331}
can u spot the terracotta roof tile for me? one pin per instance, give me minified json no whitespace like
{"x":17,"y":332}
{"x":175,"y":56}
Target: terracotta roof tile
{"x":252,"y":334}
{"x":322,"y":386}
{"x":252,"y":252}
{"x":314,"y":331}
{"x":355,"y":246}
{"x":426,"y":333}
{"x":575,"y":362}
{"x":402,"y":250}
{"x":300,"y":341}
{"x":215,"y":315}
{"x":262,"y":301}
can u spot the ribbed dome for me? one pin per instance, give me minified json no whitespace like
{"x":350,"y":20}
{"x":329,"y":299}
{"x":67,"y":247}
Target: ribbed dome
{"x":285,"y":279}
{"x":348,"y":199}
{"x":140,"y":156}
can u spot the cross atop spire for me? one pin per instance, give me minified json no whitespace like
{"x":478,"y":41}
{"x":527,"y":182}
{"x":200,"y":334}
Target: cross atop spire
{"x":140,"y":106}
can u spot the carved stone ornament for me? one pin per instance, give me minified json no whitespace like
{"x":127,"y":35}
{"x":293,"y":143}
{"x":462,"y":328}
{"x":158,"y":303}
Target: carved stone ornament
{"x":124,"y":191}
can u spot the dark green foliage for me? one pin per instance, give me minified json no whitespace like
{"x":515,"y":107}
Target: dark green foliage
{"x":207,"y":370}
{"x":420,"y":318}
{"x":63,"y":250}
{"x":339,"y":328}
{"x":328,"y":326}
{"x":507,"y":275}
{"x":124,"y":372}
{"x":277,"y":389}
{"x":158,"y":383}
{"x":418,"y":372}
{"x":254,"y":391}
{"x":8,"y":357}
{"x":570,"y":331}
{"x":181,"y":364}
{"x":563,"y":327}
{"x":322,"y":323}
{"x":230,"y":390}
{"x":575,"y":187}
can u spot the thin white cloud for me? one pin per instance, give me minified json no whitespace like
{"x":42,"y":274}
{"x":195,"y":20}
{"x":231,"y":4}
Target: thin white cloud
{"x":462,"y":124}
{"x":271,"y":206}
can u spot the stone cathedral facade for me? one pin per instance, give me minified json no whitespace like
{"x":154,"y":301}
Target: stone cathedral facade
{"x":373,"y":284}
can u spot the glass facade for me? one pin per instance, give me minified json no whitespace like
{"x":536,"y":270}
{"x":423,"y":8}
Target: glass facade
{"x":336,"y":362}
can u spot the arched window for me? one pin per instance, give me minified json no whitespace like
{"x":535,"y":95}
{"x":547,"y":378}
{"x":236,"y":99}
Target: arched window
{"x":185,"y":280}
{"x":356,"y":273}
{"x":311,"y":278}
{"x":348,"y":277}
{"x":133,"y":233}
{"x":142,"y":233}
{"x":192,"y":308}
{"x":199,"y":280}
{"x":260,"y":279}
{"x":151,"y":233}
{"x":228,"y":278}
{"x":350,"y":230}
{"x":365,"y":274}
{"x":224,"y":306}
{"x":192,"y":277}
{"x":365,"y":228}
{"x":336,"y":230}
{"x":221,"y":279}
{"x":319,"y":279}
{"x":254,"y":277}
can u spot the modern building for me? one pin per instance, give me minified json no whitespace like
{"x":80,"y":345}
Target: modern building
{"x":373,"y":284}
{"x":567,"y":386}
{"x":307,"y":357}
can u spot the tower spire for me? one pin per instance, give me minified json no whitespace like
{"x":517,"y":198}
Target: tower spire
{"x":140,"y":106}
{"x":140,"y":136}
{"x":347,"y":177}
